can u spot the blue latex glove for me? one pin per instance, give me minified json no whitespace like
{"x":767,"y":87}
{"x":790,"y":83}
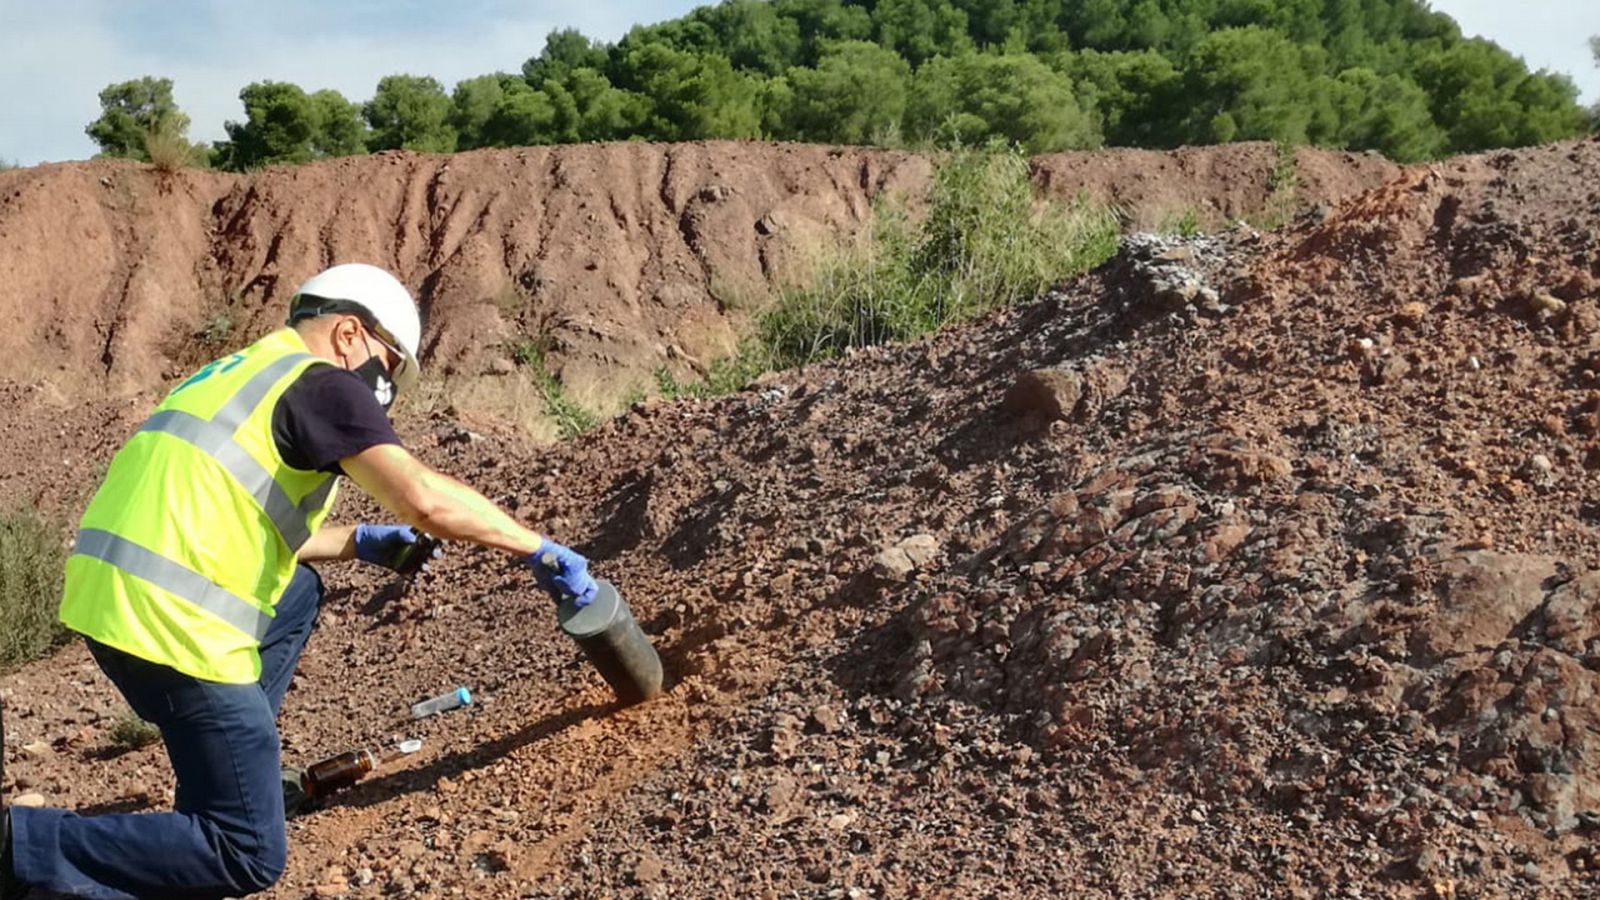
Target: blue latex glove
{"x":563,"y":573}
{"x":386,"y":545}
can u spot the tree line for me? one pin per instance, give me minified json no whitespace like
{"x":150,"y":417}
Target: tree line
{"x":1047,"y":75}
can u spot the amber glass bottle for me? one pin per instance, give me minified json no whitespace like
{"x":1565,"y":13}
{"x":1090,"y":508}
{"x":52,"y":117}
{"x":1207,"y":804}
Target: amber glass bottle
{"x":339,"y":772}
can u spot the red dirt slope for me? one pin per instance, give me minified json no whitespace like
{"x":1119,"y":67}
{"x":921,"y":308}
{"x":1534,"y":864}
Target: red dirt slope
{"x":622,"y":258}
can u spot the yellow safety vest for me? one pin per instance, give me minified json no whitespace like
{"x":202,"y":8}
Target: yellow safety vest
{"x":186,"y":548}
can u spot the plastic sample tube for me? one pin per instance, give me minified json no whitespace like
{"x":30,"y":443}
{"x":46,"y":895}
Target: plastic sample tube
{"x":443,"y":703}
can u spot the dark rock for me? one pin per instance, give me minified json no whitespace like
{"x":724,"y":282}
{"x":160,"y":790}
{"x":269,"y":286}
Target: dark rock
{"x":1045,"y":395}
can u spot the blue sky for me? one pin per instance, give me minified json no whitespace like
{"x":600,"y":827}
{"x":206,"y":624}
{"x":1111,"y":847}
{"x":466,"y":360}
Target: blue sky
{"x":56,"y":55}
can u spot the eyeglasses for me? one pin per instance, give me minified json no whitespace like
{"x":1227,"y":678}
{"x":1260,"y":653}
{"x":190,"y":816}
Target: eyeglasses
{"x":396,"y":359}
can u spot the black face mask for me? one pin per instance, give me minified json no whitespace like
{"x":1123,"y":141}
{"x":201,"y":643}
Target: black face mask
{"x":373,"y":375}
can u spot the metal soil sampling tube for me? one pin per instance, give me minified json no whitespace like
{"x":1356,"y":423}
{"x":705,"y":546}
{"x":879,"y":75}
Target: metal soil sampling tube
{"x":614,"y":643}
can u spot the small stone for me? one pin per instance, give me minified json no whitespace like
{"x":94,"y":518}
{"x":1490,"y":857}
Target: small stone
{"x":785,"y":740}
{"x":30,"y":799}
{"x":893,"y":564}
{"x":1411,"y":313}
{"x":1045,"y":394}
{"x":648,"y":870}
{"x":38,"y":750}
{"x":840,"y":822}
{"x":772,"y":223}
{"x":501,"y":366}
{"x":1544,"y":303}
{"x":1391,"y":369}
{"x":1468,"y":287}
{"x":921,"y":549}
{"x":783,"y":794}
{"x":826,"y":719}
{"x":1174,"y":297}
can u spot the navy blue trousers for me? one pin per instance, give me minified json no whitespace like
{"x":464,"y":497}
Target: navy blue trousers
{"x":226,"y":837}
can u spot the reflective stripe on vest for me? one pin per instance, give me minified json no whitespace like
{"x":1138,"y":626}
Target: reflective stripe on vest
{"x":175,"y":579}
{"x":214,"y":437}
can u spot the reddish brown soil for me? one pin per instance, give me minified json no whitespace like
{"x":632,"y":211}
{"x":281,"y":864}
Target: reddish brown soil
{"x":1157,"y":189}
{"x":620,"y":259}
{"x":1247,"y":565}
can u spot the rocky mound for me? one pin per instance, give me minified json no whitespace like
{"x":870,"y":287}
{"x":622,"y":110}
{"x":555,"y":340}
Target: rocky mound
{"x":1249,"y":564}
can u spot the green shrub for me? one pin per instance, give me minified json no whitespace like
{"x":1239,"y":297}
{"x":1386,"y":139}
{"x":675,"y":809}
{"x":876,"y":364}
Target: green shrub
{"x":528,"y":353}
{"x":1283,"y":191}
{"x":725,"y":376}
{"x":570,"y":418}
{"x":982,"y":244}
{"x":1183,"y":224}
{"x":216,"y":330}
{"x":33,"y":557}
{"x":169,"y":150}
{"x":132,"y":732}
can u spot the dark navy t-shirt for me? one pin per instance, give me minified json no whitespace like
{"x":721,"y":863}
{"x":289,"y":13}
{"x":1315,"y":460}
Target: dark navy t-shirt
{"x":328,"y":414}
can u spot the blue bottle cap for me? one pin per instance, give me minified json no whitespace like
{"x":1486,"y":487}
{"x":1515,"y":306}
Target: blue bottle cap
{"x":464,"y":695}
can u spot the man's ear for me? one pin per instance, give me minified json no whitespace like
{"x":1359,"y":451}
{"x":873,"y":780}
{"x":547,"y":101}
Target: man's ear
{"x":345,"y":334}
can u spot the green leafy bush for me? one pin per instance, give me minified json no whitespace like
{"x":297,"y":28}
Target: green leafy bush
{"x":570,"y":417}
{"x":983,"y":244}
{"x":216,"y":329}
{"x":1185,"y":223}
{"x":168,"y":148}
{"x":33,"y":557}
{"x":724,"y":376}
{"x":131,"y":732}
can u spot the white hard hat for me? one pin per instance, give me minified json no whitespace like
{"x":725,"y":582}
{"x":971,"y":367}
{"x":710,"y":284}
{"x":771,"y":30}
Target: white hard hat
{"x":359,"y":288}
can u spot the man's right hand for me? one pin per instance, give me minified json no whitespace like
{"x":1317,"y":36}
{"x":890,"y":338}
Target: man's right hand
{"x":563,"y":573}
